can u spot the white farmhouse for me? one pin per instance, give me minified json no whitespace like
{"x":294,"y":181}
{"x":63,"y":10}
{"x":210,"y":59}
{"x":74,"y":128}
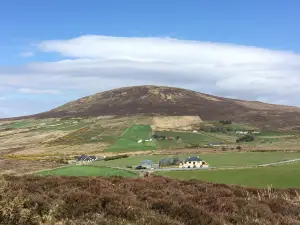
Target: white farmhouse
{"x":241,"y":132}
{"x":193,"y":162}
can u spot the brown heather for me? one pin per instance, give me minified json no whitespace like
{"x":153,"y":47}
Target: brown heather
{"x":170,"y":101}
{"x":32,"y":200}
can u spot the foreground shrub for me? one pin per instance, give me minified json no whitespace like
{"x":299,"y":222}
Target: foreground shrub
{"x":153,"y":201}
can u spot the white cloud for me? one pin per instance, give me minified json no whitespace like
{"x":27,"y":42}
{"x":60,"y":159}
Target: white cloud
{"x":96,"y":63}
{"x":36,"y":91}
{"x":225,"y":67}
{"x":27,"y":54}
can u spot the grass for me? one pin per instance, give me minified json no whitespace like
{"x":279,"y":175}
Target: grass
{"x":87,"y":171}
{"x":237,"y":126}
{"x":65,"y":125}
{"x":128,"y":141}
{"x":23,"y":124}
{"x":188,"y":139}
{"x":285,"y":176}
{"x":274,"y":133}
{"x":213,"y":159}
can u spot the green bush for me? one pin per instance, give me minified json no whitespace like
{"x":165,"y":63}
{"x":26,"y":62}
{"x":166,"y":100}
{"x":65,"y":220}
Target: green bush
{"x":115,"y":157}
{"x":225,"y":122}
{"x":246,"y":138}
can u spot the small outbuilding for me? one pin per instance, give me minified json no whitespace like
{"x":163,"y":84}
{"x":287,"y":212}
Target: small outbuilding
{"x":216,"y":144}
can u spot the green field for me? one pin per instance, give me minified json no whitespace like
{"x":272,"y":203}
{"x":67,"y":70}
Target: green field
{"x":128,"y":141}
{"x":213,"y":159}
{"x":65,"y":125}
{"x":187,"y":139}
{"x":22,"y":124}
{"x":87,"y":171}
{"x":275,"y":133}
{"x":284,"y":176}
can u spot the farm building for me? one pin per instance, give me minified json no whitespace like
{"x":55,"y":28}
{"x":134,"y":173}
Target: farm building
{"x":85,"y":158}
{"x":193,"y":162}
{"x":216,"y":144}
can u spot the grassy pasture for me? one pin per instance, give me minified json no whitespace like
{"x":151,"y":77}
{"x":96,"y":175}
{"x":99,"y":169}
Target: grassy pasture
{"x":128,"y":141}
{"x":285,"y":176}
{"x":214,"y":159}
{"x":87,"y":170}
{"x":188,"y":139}
{"x":274,"y":133}
{"x":22,"y":124}
{"x":65,"y":125}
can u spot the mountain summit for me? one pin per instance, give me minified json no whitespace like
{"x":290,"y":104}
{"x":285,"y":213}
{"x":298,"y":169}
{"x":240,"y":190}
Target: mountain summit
{"x":170,"y":101}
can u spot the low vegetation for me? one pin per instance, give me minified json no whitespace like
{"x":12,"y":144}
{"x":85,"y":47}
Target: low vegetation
{"x":86,"y":170}
{"x":115,"y":157}
{"x":152,"y":201}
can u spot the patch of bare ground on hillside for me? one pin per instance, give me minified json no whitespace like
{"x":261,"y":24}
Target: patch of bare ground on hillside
{"x":175,"y":122}
{"x":29,"y":138}
{"x":37,"y":200}
{"x":23,"y":166}
{"x":66,"y":149}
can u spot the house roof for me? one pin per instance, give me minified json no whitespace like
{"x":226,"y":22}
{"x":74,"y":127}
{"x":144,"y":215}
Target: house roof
{"x":147,"y":162}
{"x":85,"y":158}
{"x":193,"y":158}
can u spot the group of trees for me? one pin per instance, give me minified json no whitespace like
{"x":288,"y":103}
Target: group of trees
{"x":115,"y":157}
{"x":163,"y":137}
{"x":169,"y":162}
{"x":216,"y":129}
{"x":246,"y":138}
{"x":225,"y":122}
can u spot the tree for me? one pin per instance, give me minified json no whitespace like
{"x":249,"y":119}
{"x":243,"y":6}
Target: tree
{"x":246,"y":138}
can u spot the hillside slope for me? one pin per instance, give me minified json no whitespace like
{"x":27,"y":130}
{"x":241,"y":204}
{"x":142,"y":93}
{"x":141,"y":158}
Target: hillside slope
{"x":154,"y":100}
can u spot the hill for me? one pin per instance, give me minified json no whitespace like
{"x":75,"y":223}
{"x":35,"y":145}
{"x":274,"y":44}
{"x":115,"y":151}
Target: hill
{"x":154,"y":201}
{"x":158,"y":100}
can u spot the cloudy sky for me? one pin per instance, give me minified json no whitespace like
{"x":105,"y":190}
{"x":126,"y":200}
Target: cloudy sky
{"x":51,"y":54}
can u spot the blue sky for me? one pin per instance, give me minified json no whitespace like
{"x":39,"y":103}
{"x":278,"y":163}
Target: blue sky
{"x":35,"y":33}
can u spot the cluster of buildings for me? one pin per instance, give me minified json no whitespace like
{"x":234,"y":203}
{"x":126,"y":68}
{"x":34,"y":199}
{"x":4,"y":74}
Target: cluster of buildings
{"x":190,"y":162}
{"x":247,"y":132}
